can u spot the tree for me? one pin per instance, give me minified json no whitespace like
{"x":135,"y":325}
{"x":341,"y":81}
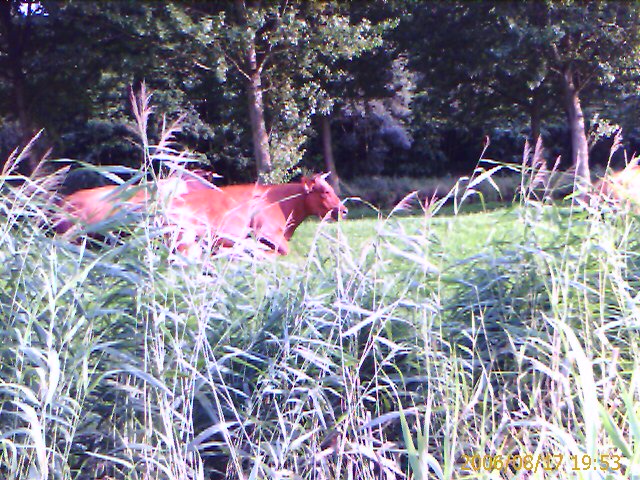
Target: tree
{"x":17,"y":20}
{"x":474,"y":70}
{"x":270,"y":59}
{"x":531,"y":55}
{"x":351,"y":84}
{"x":78,"y":90}
{"x":586,"y":45}
{"x":276,"y":49}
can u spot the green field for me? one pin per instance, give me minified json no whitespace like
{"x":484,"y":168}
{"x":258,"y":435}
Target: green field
{"x":465,"y":233}
{"x":414,"y":345}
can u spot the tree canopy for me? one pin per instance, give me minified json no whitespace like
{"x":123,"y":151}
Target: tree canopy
{"x":266,"y":88}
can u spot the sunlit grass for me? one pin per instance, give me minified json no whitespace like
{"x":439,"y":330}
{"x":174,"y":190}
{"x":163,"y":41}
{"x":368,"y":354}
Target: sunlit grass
{"x":464,"y":234}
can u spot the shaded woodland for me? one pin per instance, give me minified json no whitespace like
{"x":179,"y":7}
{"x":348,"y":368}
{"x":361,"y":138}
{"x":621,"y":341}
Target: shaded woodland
{"x":383,"y":88}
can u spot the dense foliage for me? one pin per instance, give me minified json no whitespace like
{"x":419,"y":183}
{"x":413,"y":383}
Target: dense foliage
{"x":378,"y":88}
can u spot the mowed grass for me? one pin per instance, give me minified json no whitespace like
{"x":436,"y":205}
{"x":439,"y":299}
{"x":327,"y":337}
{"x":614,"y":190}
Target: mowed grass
{"x":478,"y":345}
{"x":463,"y":234}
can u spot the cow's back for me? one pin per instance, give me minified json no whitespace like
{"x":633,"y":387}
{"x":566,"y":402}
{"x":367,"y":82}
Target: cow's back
{"x":98,"y":204}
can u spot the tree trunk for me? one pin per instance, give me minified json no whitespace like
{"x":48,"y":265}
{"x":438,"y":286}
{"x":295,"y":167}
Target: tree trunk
{"x":534,"y":114}
{"x":16,"y":39}
{"x":327,"y":150}
{"x":575,"y":117}
{"x":259,"y":136}
{"x":367,"y":131}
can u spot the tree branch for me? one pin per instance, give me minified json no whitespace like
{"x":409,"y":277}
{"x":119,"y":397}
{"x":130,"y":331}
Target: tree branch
{"x":235,"y":64}
{"x":260,"y":63}
{"x":556,"y":53}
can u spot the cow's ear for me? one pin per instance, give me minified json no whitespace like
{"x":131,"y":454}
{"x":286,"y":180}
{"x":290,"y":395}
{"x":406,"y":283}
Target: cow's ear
{"x":307,"y":184}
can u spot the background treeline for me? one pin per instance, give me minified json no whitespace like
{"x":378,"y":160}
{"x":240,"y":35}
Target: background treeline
{"x":391,"y":88}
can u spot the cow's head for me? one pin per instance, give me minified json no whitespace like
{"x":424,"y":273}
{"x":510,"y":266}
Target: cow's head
{"x":321,"y":199}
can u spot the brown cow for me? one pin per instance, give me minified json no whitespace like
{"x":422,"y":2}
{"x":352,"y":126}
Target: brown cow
{"x":218,"y":216}
{"x":271,"y":212}
{"x":622,"y":186}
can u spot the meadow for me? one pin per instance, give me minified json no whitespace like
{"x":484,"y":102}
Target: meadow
{"x":489,"y":343}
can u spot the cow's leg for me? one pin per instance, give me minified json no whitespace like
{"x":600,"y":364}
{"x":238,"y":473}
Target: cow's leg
{"x":276,"y":242}
{"x":269,"y":228}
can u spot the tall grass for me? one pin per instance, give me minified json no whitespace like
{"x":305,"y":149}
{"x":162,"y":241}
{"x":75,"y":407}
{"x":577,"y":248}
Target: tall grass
{"x":387,"y":354}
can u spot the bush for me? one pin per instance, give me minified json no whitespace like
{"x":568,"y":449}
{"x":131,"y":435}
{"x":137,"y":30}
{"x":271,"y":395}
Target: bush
{"x":386,"y":192}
